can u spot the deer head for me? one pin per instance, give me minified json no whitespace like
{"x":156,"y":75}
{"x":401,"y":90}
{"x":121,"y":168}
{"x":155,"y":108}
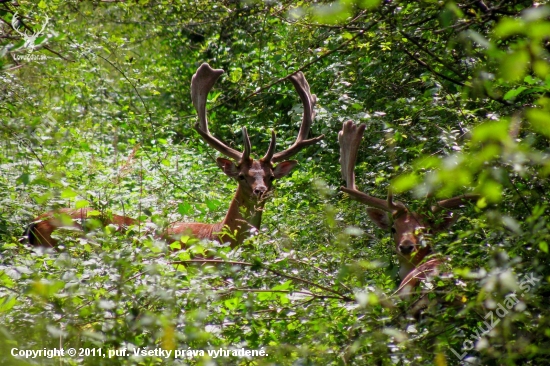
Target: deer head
{"x":254,"y":176}
{"x":30,"y":38}
{"x":408,"y":228}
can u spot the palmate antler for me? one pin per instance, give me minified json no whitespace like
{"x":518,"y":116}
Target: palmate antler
{"x":350,"y":138}
{"x":203,"y":81}
{"x":308,"y":100}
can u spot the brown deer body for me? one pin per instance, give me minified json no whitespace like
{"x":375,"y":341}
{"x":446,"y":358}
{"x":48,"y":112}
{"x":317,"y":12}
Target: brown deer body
{"x":408,"y":227}
{"x":39,"y":233}
{"x":254,"y":176}
{"x":245,"y":209}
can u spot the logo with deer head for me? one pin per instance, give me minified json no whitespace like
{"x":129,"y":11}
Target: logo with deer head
{"x":27,"y":34}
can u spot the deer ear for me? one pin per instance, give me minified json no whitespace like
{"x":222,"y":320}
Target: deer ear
{"x":379,"y":217}
{"x":228,"y":167}
{"x":444,"y":223}
{"x":283,"y":168}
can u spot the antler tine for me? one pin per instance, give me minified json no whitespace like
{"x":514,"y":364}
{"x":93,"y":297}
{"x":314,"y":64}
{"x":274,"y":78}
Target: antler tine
{"x":308,"y":100}
{"x":247,"y":146}
{"x":350,"y":139}
{"x":392,"y":205}
{"x":14,"y":22}
{"x":45,"y":24}
{"x":201,"y":83}
{"x":271,"y":150}
{"x":454,"y":202}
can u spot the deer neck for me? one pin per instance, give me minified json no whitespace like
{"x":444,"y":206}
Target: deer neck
{"x":244,"y":213}
{"x":406,"y":266}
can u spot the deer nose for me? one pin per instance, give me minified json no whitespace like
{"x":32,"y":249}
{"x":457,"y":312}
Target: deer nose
{"x":259,"y":190}
{"x":406,"y":247}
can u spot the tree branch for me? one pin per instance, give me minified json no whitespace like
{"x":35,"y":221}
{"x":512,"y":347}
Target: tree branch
{"x":437,"y":58}
{"x":276,"y":272}
{"x":422,"y":63}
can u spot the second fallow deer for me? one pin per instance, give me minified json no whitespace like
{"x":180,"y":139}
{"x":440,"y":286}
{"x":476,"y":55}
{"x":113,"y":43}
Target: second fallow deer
{"x":408,"y":228}
{"x":254,"y":176}
{"x":39,"y":232}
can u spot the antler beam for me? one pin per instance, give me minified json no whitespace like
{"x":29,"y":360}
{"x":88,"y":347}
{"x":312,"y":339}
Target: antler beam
{"x":308,"y":100}
{"x":454,"y":202}
{"x":350,"y":138}
{"x":201,"y":83}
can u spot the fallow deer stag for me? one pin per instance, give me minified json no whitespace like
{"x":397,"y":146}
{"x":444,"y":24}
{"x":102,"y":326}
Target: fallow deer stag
{"x":407,"y":227}
{"x":254,"y":177}
{"x":39,"y":232}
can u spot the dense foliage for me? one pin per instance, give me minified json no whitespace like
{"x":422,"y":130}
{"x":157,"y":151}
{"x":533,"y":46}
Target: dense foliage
{"x":95,"y":112}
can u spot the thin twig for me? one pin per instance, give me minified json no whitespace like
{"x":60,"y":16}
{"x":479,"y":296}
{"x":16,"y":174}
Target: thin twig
{"x":305,"y":66}
{"x":278,"y":273}
{"x":422,"y":63}
{"x":57,"y":53}
{"x":426,"y":50}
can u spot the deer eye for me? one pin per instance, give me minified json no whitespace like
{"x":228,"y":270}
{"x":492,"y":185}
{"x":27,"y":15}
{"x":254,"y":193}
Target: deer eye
{"x":393,"y":231}
{"x":272,"y":178}
{"x":241,"y":176}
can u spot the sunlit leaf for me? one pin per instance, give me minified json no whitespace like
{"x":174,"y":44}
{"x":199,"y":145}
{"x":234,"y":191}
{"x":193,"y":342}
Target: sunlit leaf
{"x":331,"y":13}
{"x":492,"y":130}
{"x":68,"y":193}
{"x":514,"y":65}
{"x":540,"y":120}
{"x":405,"y":182}
{"x":512,"y":93}
{"x":369,"y":4}
{"x":507,"y":27}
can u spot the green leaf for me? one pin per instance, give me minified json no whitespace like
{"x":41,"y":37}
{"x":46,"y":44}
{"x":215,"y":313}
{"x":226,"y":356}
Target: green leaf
{"x":541,"y":68}
{"x":540,"y":120}
{"x":405,"y":182}
{"x":7,"y":303}
{"x":42,"y":199}
{"x":492,"y":191}
{"x":539,"y":30}
{"x":334,"y":13}
{"x":176,"y":245}
{"x":492,"y":130}
{"x":213,"y":204}
{"x":512,"y":93}
{"x":235,"y":74}
{"x":82,"y":204}
{"x":23,"y":178}
{"x":233,"y":303}
{"x":513,"y":66}
{"x":283,"y":286}
{"x":427,"y":162}
{"x":184,"y":208}
{"x":369,"y":4}
{"x":508,"y":27}
{"x":68,"y":193}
